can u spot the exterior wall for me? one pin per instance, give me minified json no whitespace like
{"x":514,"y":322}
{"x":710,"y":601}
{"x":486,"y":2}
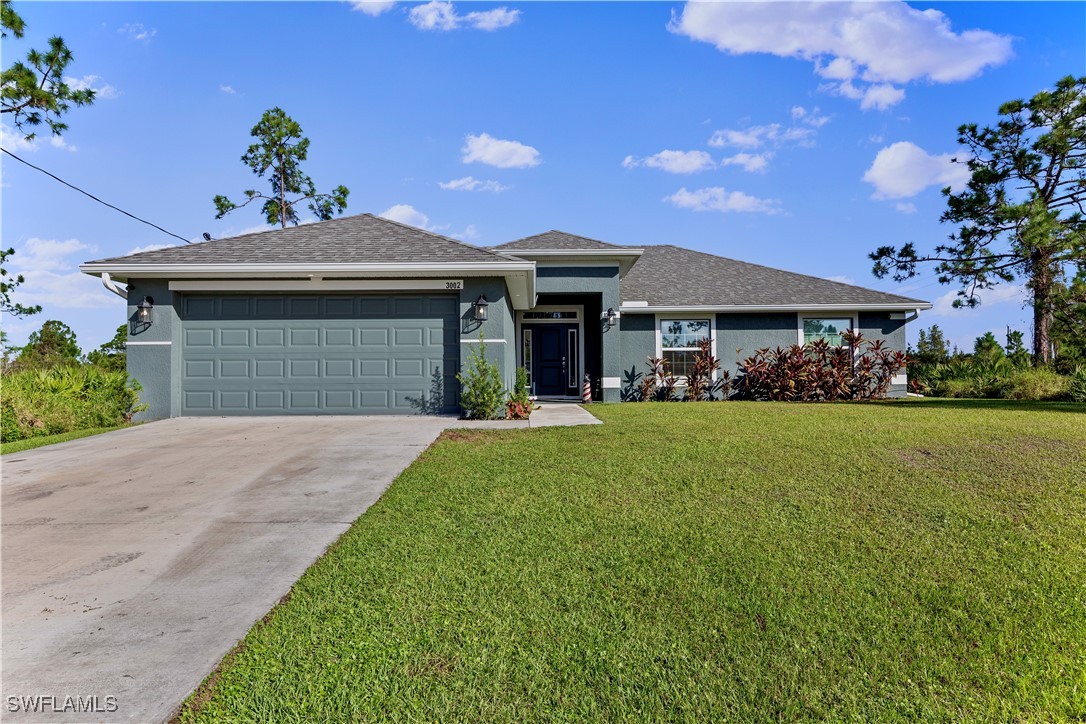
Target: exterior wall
{"x":638,"y":344}
{"x":601,"y":280}
{"x":152,"y":364}
{"x":879,"y":325}
{"x":749,"y":331}
{"x":746,"y":332}
{"x":498,"y":330}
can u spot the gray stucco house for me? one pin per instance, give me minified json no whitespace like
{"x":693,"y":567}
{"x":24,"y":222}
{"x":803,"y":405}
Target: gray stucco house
{"x":361,"y":315}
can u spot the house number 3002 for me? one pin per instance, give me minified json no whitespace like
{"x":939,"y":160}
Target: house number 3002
{"x":454,"y":285}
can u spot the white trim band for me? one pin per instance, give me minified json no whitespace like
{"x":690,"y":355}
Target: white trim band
{"x":140,"y":343}
{"x":907,"y":307}
{"x":483,"y":341}
{"x":452,"y":286}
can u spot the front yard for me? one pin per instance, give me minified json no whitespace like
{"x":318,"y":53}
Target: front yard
{"x":728,"y":560}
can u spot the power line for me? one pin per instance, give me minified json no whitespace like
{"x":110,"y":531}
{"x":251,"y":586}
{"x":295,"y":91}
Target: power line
{"x":104,"y":203}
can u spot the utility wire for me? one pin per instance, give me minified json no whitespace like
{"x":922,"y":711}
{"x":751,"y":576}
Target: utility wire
{"x":105,"y":203}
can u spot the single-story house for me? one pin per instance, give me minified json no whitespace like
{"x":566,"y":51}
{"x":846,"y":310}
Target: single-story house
{"x":362,"y":315}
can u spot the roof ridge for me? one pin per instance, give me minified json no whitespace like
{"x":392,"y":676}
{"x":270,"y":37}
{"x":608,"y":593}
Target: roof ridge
{"x":430,"y":233}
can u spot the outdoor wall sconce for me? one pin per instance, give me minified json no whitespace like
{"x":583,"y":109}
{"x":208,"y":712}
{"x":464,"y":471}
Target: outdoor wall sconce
{"x":479,"y":309}
{"x":610,"y":316}
{"x":144,"y":309}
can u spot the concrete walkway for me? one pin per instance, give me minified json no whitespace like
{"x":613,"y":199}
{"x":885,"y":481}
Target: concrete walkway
{"x":550,"y":413}
{"x":133,"y":561}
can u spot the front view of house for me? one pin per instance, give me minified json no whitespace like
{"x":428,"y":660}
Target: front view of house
{"x":361,"y":315}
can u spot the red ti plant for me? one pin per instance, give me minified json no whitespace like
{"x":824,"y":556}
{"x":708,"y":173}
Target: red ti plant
{"x":701,"y":383}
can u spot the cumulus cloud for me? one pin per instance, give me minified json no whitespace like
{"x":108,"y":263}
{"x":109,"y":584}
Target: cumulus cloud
{"x":716,"y":198}
{"x":758,"y":136}
{"x":442,"y":16}
{"x":102,"y":90}
{"x":467,"y":234}
{"x":228,"y":90}
{"x":1002,"y":294}
{"x":864,"y":51}
{"x":52,"y":276}
{"x":15,"y":140}
{"x":813,"y":117}
{"x":903,"y":169}
{"x":491,"y":151}
{"x":673,"y":161}
{"x":372,"y":7}
{"x":407,"y":214}
{"x":151,"y":247}
{"x":905,"y":207}
{"x":137,"y":31}
{"x":753,"y":162}
{"x":470,"y":183}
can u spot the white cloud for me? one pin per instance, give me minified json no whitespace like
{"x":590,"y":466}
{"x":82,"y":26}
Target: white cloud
{"x":407,"y":214}
{"x":372,"y":7}
{"x":673,"y":161}
{"x":716,"y":198}
{"x":484,"y":148}
{"x":903,"y":169}
{"x":467,"y":234}
{"x":228,"y":90}
{"x":14,"y":140}
{"x":813,"y":117}
{"x":1002,"y":294}
{"x":137,"y":31}
{"x":880,"y":45}
{"x":753,"y":162}
{"x":151,"y":247}
{"x":102,"y":90}
{"x":53,"y":279}
{"x":758,"y":136}
{"x":439,"y":15}
{"x":470,"y":183}
{"x":842,"y":278}
{"x":905,"y":207}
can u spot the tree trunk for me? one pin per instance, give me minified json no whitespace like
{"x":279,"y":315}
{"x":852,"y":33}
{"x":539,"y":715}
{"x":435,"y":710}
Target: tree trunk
{"x":1041,"y":285}
{"x":282,"y":196}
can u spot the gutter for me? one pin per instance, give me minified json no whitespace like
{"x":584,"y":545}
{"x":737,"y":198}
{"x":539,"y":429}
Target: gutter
{"x":642,"y":308}
{"x":109,"y":284}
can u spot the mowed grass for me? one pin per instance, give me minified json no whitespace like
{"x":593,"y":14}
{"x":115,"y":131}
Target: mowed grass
{"x":32,"y":442}
{"x":914,"y":560}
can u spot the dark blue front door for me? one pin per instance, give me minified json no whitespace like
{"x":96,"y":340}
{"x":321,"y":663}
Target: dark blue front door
{"x":551,"y":358}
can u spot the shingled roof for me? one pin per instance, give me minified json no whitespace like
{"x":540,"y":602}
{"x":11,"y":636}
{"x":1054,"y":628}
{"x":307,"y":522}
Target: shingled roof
{"x":670,"y":276}
{"x":558,"y":240}
{"x":362,"y":239}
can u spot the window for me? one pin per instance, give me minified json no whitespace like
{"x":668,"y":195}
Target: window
{"x":550,"y":315}
{"x":526,"y":354}
{"x":826,"y":328}
{"x":679,"y":341}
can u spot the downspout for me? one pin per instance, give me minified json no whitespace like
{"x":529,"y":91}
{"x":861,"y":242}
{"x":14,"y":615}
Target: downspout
{"x":109,"y":284}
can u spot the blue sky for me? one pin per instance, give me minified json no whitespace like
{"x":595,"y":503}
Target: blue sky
{"x":796,"y":136}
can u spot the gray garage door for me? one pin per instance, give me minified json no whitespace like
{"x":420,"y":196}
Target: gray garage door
{"x":271,"y":354}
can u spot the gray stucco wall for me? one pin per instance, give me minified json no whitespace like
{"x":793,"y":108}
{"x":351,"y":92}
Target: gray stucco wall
{"x":746,"y":332}
{"x":152,"y":364}
{"x":879,"y":325}
{"x":498,"y":329}
{"x":602,"y":280}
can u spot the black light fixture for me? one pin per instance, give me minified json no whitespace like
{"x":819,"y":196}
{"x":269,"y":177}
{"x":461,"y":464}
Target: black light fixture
{"x":144,"y":309}
{"x":479,"y":311}
{"x":610,"y":316}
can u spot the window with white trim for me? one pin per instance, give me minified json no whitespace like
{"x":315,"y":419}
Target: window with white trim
{"x":679,"y":341}
{"x":827,"y":328}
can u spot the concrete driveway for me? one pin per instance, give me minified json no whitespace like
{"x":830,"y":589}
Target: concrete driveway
{"x":133,"y":561}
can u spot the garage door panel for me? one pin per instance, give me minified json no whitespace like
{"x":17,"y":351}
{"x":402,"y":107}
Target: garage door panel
{"x":312,"y":354}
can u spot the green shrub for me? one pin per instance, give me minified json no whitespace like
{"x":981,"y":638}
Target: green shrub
{"x":482,"y":392}
{"x":519,"y":405}
{"x":1076,"y":388}
{"x":1033,"y":384}
{"x":62,"y":399}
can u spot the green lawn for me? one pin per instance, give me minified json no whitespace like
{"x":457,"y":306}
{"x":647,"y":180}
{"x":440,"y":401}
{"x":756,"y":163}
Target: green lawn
{"x":33,"y":442}
{"x":719,"y":560}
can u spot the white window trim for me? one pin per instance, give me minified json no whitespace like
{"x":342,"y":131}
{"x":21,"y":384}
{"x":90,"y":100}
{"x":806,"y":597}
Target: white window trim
{"x":852,"y":315}
{"x":685,"y":317}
